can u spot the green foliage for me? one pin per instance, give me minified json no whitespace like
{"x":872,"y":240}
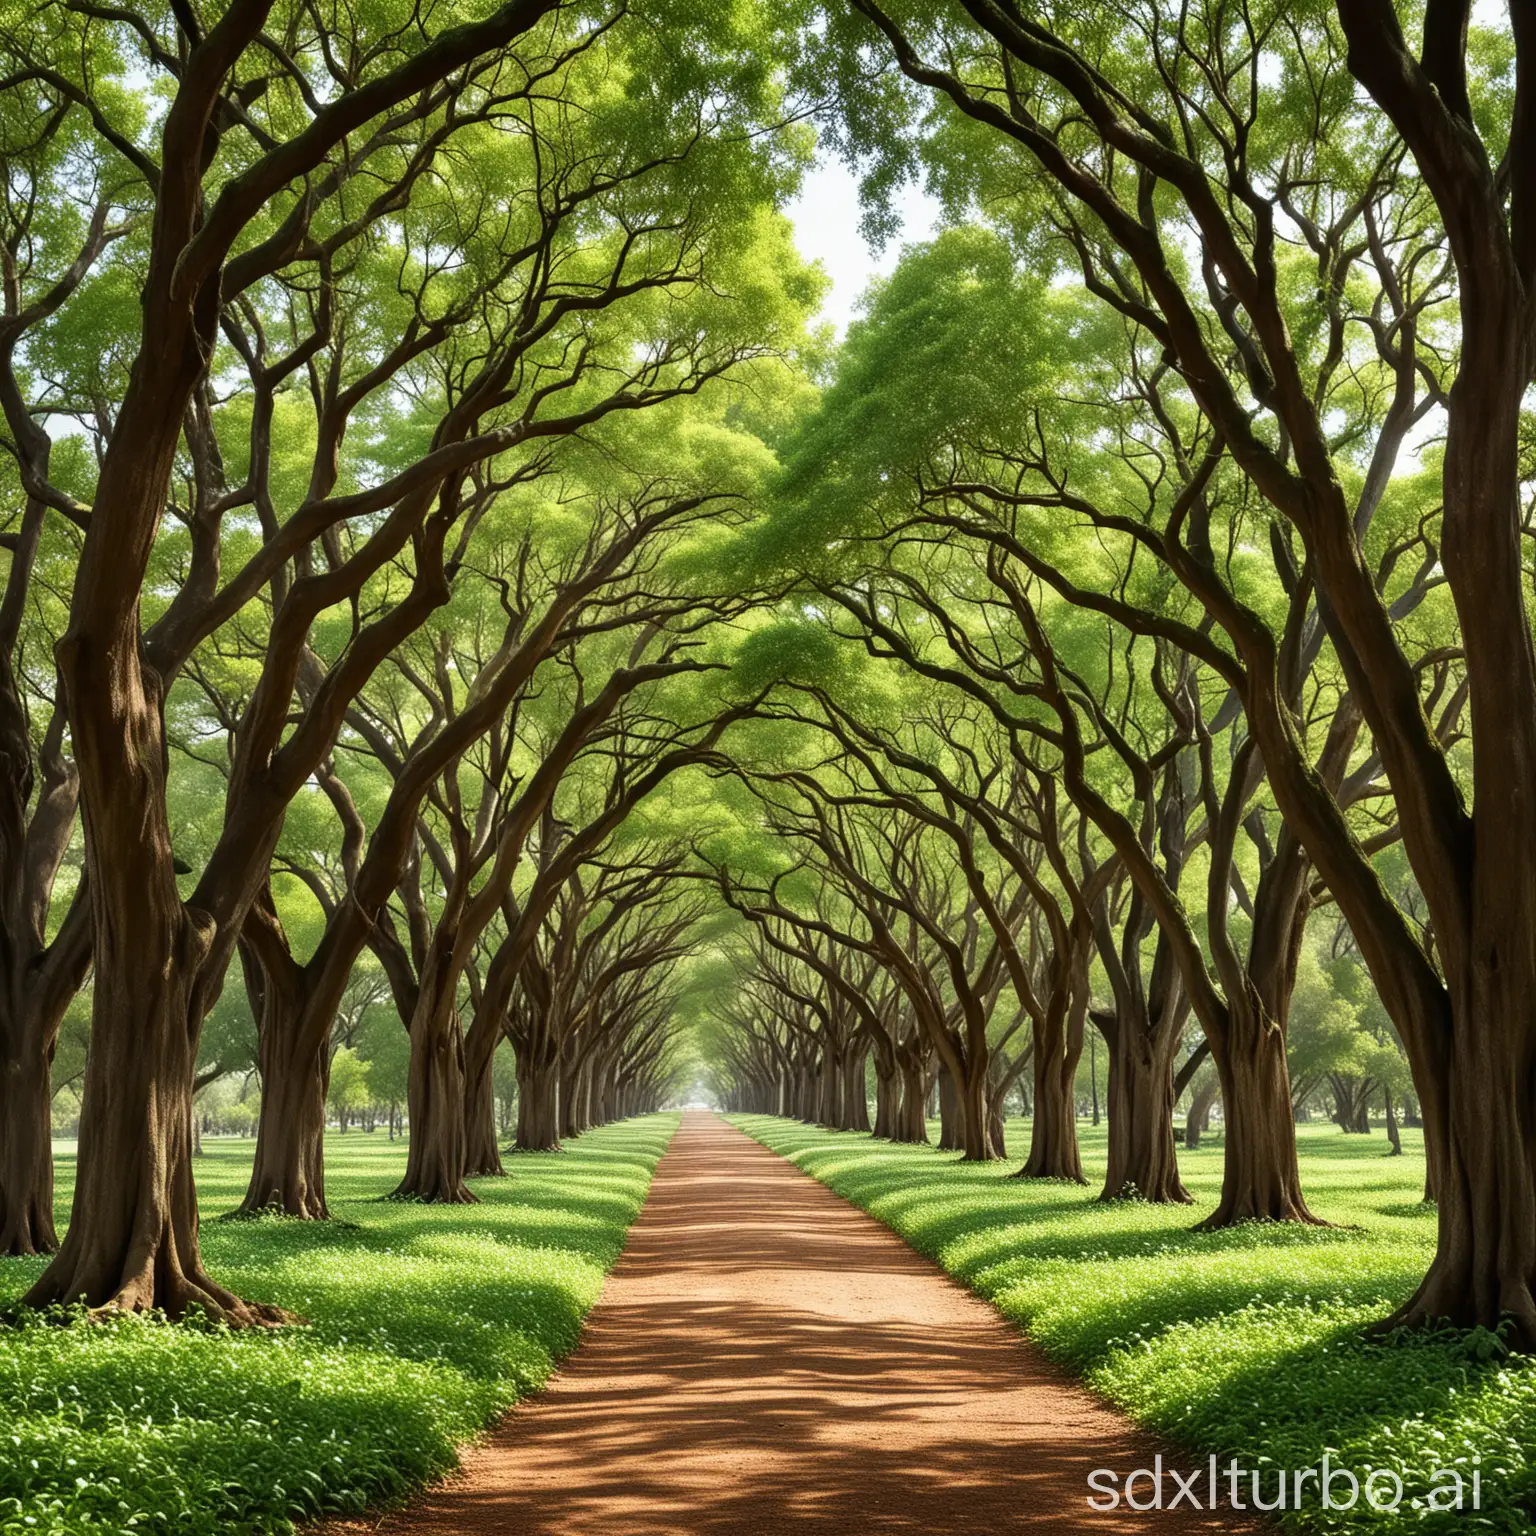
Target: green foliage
{"x":421,"y":1325}
{"x":1247,"y":1342}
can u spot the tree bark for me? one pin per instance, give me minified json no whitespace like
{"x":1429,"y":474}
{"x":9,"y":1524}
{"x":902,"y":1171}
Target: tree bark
{"x":132,"y":1243}
{"x":1260,"y":1178}
{"x":26,"y":1144}
{"x":1053,"y":1149}
{"x":538,"y":1092}
{"x":435,"y":1163}
{"x":1142,"y":1154}
{"x":482,"y":1147}
{"x":288,"y":1173}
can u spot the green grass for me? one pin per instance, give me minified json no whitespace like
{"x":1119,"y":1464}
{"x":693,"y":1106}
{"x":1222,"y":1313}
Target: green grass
{"x":1248,"y":1343}
{"x":422,"y":1324}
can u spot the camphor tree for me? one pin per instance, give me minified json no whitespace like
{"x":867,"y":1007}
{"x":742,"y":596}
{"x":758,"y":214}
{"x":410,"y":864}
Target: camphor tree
{"x":393,"y":251}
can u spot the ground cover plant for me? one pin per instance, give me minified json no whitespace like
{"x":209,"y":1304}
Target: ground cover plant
{"x":1246,"y":1342}
{"x":422,"y":1323}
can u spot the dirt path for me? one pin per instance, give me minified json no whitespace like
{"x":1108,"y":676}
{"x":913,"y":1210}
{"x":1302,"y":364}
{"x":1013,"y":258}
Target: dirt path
{"x":767,"y":1359}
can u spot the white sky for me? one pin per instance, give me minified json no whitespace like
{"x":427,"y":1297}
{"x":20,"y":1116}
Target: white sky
{"x":826,"y":219}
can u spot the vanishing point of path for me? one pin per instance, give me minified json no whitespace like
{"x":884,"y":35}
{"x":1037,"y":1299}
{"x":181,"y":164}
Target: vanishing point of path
{"x":767,"y":1359}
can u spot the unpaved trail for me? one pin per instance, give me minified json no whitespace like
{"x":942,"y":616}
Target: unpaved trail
{"x":765,"y":1358}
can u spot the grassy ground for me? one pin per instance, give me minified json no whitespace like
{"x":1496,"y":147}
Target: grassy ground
{"x":1247,"y":1343}
{"x":422,"y":1325}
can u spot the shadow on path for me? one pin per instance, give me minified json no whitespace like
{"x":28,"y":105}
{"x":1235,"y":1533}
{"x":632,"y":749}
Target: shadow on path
{"x":764,"y":1359}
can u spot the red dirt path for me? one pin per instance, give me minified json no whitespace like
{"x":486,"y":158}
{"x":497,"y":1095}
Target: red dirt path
{"x":767,"y":1359}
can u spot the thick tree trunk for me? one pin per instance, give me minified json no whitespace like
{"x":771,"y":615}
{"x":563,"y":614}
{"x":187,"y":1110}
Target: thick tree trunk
{"x":1260,"y":1178}
{"x":538,"y":1103}
{"x":1142,"y":1155}
{"x":912,"y":1116}
{"x":574,"y":1098}
{"x":975,"y":1120}
{"x":132,"y":1243}
{"x":435,"y":1163}
{"x":26,"y":1145}
{"x":1484,"y":1271}
{"x":482,"y":1148}
{"x":829,"y":1088}
{"x":288,"y":1174}
{"x":1053,"y":1149}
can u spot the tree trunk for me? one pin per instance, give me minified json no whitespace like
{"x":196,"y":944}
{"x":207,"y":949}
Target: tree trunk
{"x":912,"y":1116}
{"x":973,"y":1102}
{"x":949,"y":1113}
{"x":1142,"y":1155}
{"x":1260,"y":1177}
{"x":288,"y":1173}
{"x":855,"y":1101}
{"x":1484,"y":1270}
{"x":435,"y":1164}
{"x":1053,"y":1150}
{"x":887,"y":1095}
{"x":1394,"y":1136}
{"x":482,"y":1149}
{"x":829,"y":1087}
{"x":26,"y":1145}
{"x":132,"y":1243}
{"x":538,"y":1106}
{"x":1198,"y":1119}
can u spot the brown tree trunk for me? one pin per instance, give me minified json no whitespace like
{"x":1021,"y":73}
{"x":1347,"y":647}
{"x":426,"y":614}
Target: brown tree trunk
{"x":829,"y":1087}
{"x":132,"y":1242}
{"x":1142,"y":1154}
{"x":855,"y":1101}
{"x":1199,"y":1117}
{"x":1484,"y":1271}
{"x":912,"y":1117}
{"x":288,"y":1173}
{"x":538,"y":1091}
{"x":482,"y":1148}
{"x":1260,"y":1177}
{"x":1053,"y":1149}
{"x":26,"y":1144}
{"x":435,"y":1163}
{"x":949,"y":1113}
{"x":887,"y":1094}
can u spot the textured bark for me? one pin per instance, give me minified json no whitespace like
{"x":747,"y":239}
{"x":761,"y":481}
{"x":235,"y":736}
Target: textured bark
{"x":912,"y":1113}
{"x":132,"y":1242}
{"x":1484,"y":1271}
{"x":949,"y":1113}
{"x":288,"y":1173}
{"x":26,"y":1145}
{"x":1143,"y":1157}
{"x":435,"y":1163}
{"x":854,"y":1097}
{"x":538,"y":1106}
{"x":1053,"y":1149}
{"x":1260,"y":1177}
{"x":482,"y":1148}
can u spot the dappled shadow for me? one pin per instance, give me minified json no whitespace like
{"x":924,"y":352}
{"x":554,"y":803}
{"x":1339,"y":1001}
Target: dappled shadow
{"x":766,"y":1358}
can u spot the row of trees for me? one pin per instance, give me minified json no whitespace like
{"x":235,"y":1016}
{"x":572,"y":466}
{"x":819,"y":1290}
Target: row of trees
{"x":434,"y":546}
{"x":379,"y":391}
{"x":1178,"y":507}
